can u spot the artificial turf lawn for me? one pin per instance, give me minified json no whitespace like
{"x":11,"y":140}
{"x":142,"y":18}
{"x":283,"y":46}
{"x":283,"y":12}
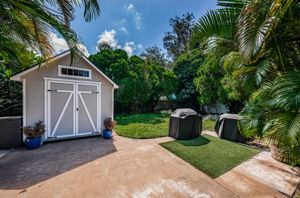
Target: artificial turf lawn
{"x":211,"y":155}
{"x":142,"y":125}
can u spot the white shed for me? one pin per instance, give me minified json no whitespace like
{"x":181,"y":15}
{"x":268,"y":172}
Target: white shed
{"x":72,"y":101}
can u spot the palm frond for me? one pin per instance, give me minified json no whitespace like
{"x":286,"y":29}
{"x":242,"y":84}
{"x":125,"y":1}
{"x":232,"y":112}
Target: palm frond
{"x":291,"y":155}
{"x":286,"y":91}
{"x":264,"y":71}
{"x":67,"y":10}
{"x":255,"y":24}
{"x":285,"y":130}
{"x":215,"y":23}
{"x":91,"y":9}
{"x":233,"y":3}
{"x":32,"y":22}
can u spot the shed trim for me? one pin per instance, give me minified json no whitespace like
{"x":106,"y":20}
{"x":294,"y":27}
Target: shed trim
{"x":112,"y":103}
{"x":73,"y":76}
{"x":24,"y":101}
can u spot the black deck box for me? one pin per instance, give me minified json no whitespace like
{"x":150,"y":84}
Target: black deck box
{"x":227,"y":128}
{"x":185,"y":124}
{"x":10,"y":132}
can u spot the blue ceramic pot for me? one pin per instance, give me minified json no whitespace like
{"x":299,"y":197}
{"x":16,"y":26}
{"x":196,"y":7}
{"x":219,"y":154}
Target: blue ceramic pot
{"x":33,"y":143}
{"x":107,"y":134}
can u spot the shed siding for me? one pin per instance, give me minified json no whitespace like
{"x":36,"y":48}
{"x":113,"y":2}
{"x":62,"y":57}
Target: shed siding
{"x":35,"y":98}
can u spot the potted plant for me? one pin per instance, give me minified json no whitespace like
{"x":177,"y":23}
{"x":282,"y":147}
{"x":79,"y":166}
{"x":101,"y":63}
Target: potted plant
{"x":34,"y":135}
{"x":109,"y":125}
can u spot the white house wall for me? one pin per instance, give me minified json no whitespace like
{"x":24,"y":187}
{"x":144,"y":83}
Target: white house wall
{"x":35,"y":86}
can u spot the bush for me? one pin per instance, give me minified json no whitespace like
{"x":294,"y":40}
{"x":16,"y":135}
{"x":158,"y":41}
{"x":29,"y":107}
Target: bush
{"x":34,"y":131}
{"x":109,"y":124}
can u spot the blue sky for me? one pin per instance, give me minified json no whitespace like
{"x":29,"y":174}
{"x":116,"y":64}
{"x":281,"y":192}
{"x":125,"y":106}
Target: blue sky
{"x":134,"y":24}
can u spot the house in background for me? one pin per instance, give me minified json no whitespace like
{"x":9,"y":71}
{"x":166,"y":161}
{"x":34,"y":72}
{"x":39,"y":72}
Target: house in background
{"x":71,"y":100}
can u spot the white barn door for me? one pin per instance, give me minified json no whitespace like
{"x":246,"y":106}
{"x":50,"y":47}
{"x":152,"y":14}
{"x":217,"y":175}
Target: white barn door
{"x":87,"y":108}
{"x":73,"y":108}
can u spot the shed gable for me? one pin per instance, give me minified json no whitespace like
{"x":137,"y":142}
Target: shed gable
{"x":51,"y":68}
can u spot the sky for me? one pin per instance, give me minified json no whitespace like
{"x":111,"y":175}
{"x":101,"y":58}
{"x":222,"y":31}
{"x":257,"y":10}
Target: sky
{"x":132,"y":25}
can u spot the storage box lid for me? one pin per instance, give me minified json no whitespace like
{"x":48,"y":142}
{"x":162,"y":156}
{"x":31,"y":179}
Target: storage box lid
{"x":183,"y":113}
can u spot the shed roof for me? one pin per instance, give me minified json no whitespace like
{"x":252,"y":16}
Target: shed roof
{"x":17,"y":76}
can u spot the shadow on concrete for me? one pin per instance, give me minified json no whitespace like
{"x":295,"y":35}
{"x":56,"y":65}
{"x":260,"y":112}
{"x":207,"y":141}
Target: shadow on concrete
{"x":23,"y":168}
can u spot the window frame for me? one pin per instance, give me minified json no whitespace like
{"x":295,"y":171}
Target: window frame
{"x":60,"y":67}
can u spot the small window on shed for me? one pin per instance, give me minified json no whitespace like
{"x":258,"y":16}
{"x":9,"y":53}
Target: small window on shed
{"x":64,"y":71}
{"x":74,"y":72}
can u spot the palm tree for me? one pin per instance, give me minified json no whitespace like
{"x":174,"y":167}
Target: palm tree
{"x":31,"y":22}
{"x":266,"y":35}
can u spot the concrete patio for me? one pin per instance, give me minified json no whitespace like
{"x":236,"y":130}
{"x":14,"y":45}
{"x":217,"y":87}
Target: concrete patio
{"x":93,"y":167}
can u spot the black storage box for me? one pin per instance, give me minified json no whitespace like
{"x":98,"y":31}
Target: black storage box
{"x":185,"y":124}
{"x":227,"y":128}
{"x":10,"y":132}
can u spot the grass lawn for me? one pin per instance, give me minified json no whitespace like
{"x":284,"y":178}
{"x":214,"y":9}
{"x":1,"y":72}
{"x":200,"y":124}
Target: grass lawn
{"x":208,"y":125}
{"x":211,"y":155}
{"x":148,"y":125}
{"x":142,"y":125}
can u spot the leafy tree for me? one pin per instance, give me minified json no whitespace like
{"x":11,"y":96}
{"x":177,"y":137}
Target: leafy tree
{"x":31,"y":22}
{"x":119,"y":54}
{"x":163,"y":83}
{"x":235,"y":92}
{"x":141,"y":83}
{"x":265,"y":33}
{"x":154,"y":55}
{"x":208,"y":82}
{"x":11,"y":92}
{"x":176,"y":41}
{"x":119,"y":69}
{"x":215,"y":82}
{"x":185,"y":68}
{"x":104,"y":46}
{"x":103,"y":60}
{"x":134,"y":62}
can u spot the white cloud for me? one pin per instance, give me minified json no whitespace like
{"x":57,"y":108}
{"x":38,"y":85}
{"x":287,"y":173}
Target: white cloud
{"x":83,"y":49}
{"x":59,"y":44}
{"x":109,"y":37}
{"x":124,"y":29}
{"x":136,"y":15}
{"x":138,"y":21}
{"x":140,"y":46}
{"x":130,"y":7}
{"x":120,"y":23}
{"x":129,"y":48}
